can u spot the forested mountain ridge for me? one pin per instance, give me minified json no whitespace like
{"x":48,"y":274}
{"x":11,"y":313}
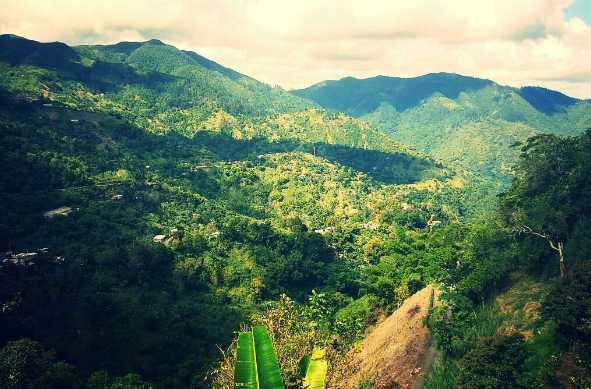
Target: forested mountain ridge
{"x":153,"y":203}
{"x":470,"y":123}
{"x":161,"y":75}
{"x":150,"y":204}
{"x":164,"y":89}
{"x":360,"y":97}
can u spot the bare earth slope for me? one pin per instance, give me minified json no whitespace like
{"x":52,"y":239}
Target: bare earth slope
{"x":394,"y":353}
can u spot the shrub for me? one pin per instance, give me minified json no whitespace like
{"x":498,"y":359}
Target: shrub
{"x":23,"y":363}
{"x":352,"y":319}
{"x":495,"y":363}
{"x":569,"y":305}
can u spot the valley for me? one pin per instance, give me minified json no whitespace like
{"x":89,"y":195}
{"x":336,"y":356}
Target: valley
{"x":154,"y":203}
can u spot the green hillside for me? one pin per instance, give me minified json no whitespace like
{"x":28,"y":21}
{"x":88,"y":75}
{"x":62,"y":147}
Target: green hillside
{"x":472,"y":124}
{"x":159,"y":199}
{"x":154,"y":204}
{"x":360,"y":97}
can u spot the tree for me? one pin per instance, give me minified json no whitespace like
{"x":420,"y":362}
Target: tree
{"x":569,"y":305}
{"x":24,"y":364}
{"x":551,"y":189}
{"x":558,"y":246}
{"x":130,"y":381}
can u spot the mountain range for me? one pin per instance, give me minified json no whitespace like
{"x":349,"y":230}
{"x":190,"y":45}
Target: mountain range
{"x":152,"y":201}
{"x":175,"y":182}
{"x":470,"y":123}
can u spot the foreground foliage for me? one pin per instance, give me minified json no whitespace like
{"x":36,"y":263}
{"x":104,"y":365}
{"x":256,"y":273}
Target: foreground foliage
{"x":256,"y":363}
{"x":546,"y":205}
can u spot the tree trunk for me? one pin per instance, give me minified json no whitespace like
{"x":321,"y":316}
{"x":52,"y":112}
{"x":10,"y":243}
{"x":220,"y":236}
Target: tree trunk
{"x":562,"y":264}
{"x":559,"y":246}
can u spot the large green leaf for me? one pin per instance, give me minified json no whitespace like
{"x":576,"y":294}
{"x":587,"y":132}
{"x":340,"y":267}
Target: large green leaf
{"x":268,"y":367}
{"x":316,"y":369}
{"x":245,"y":371}
{"x":256,"y":364}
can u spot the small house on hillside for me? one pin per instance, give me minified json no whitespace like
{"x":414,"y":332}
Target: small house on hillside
{"x":58,"y":212}
{"x":21,"y":259}
{"x":159,"y":238}
{"x":175,"y":236}
{"x":324,"y":231}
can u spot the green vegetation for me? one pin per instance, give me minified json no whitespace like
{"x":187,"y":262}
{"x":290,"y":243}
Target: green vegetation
{"x":315,"y":369}
{"x":256,"y":364}
{"x":495,"y":362}
{"x":568,"y":305}
{"x":153,"y":201}
{"x":540,"y":318}
{"x":168,"y":223}
{"x":552,"y":174}
{"x":442,"y":376}
{"x":473,"y":125}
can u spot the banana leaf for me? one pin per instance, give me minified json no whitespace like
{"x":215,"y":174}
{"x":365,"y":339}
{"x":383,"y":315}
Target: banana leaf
{"x":316,"y":369}
{"x":245,"y":371}
{"x":256,"y":364}
{"x":268,"y":367}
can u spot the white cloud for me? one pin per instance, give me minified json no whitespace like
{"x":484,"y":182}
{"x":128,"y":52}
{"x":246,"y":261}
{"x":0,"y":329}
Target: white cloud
{"x":294,"y":44}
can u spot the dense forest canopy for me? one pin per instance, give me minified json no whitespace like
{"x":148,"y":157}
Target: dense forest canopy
{"x":154,"y":201}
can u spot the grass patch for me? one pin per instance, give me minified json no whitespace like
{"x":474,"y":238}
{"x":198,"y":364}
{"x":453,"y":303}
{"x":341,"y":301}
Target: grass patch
{"x":443,"y":375}
{"x":488,"y":319}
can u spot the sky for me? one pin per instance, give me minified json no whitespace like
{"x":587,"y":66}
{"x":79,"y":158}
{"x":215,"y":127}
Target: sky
{"x":298,"y":43}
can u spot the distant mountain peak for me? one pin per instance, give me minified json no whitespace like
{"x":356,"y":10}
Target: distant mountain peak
{"x":17,"y":50}
{"x":129,"y":46}
{"x":432,"y":75}
{"x":546,"y":100}
{"x":10,"y":36}
{"x":361,"y":96}
{"x":155,"y":42}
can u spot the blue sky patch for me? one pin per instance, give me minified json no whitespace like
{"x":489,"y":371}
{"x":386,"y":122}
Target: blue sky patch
{"x":580,"y":8}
